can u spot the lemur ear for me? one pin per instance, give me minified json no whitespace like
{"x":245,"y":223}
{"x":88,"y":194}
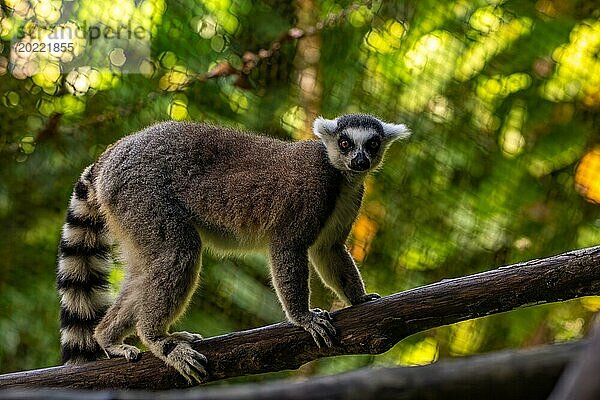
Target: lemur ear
{"x":323,"y":126}
{"x":395,"y":131}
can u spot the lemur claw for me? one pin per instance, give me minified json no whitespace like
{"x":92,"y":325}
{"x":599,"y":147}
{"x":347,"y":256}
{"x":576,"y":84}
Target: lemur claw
{"x":318,"y":323}
{"x":187,"y":336}
{"x":188,"y":362}
{"x":368,"y":297}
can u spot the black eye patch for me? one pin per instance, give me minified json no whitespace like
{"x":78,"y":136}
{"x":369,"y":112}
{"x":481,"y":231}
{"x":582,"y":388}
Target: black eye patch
{"x":372,"y":145}
{"x":345,"y":144}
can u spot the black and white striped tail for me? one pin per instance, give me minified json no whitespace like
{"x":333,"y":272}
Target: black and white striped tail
{"x":82,"y":274}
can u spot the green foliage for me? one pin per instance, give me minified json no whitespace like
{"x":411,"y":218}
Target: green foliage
{"x":502,"y":98}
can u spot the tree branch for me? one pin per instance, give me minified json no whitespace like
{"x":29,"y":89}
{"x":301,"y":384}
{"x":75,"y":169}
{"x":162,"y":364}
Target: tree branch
{"x":525,"y":374}
{"x":373,"y":327}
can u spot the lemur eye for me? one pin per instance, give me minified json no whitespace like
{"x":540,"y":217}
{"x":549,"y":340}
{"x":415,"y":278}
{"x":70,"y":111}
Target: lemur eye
{"x":344,"y":143}
{"x":373,"y":144}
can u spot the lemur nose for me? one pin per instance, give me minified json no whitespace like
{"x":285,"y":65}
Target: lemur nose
{"x":360,"y":163}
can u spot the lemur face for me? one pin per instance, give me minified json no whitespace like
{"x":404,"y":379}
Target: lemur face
{"x":357,"y":142}
{"x":359,"y":148}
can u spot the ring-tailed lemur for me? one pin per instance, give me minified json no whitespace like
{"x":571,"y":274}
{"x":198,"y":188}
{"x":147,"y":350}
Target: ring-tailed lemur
{"x":169,"y":191}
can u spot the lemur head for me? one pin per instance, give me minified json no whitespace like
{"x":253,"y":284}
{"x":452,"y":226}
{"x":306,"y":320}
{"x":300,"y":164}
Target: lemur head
{"x":357,"y":142}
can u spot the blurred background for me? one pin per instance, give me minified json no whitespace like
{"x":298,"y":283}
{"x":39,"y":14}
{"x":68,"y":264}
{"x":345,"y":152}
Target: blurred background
{"x":503,"y":165}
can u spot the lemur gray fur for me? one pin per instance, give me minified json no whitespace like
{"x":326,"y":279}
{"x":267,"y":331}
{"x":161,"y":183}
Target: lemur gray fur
{"x":171,"y":190}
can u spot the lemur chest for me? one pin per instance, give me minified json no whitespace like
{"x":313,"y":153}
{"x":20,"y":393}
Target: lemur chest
{"x":338,"y":224}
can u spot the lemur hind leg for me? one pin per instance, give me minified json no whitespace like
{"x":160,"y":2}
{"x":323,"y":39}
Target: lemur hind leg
{"x":168,"y":284}
{"x":120,"y":319}
{"x":118,"y":323}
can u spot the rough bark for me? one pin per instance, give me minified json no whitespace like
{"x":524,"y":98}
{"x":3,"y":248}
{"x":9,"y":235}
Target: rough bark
{"x":372,"y":327}
{"x":526,"y":374}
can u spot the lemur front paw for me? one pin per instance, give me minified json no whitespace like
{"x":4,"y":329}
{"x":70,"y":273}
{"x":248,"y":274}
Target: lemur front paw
{"x":317,"y":322}
{"x":187,"y":361}
{"x":368,"y":297}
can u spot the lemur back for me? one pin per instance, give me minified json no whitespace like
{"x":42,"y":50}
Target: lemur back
{"x":166,"y":193}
